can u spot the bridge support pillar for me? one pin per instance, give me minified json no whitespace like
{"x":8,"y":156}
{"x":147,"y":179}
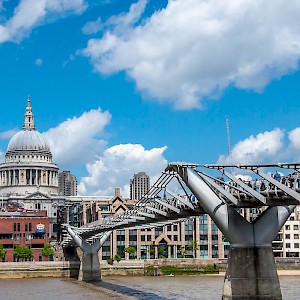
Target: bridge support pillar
{"x":251,"y":271}
{"x":251,"y":274}
{"x":90,"y":269}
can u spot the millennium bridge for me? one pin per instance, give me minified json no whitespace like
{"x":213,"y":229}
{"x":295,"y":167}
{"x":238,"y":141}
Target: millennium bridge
{"x":216,"y":191}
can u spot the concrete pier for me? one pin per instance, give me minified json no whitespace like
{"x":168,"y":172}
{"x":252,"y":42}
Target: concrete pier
{"x":90,"y":268}
{"x":251,"y":274}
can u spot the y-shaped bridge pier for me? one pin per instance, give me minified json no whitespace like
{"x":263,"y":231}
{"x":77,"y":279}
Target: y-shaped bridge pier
{"x":251,"y":271}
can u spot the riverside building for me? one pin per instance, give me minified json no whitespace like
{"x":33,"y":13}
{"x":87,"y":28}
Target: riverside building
{"x":21,"y":227}
{"x":139,"y":185}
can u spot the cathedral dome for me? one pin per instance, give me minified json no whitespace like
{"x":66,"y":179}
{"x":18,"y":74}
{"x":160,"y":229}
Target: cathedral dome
{"x":28,"y":140}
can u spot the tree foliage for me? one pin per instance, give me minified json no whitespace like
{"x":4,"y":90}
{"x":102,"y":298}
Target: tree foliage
{"x":117,"y":257}
{"x":182,"y":251}
{"x":193,"y":246}
{"x":130,"y":250}
{"x":22,"y":252}
{"x":47,"y":250}
{"x":2,"y":252}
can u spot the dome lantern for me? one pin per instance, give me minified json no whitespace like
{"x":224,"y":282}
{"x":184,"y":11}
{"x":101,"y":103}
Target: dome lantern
{"x":28,"y":117}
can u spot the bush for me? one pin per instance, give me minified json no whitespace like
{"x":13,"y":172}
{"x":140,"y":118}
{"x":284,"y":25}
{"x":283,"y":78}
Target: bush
{"x":2,"y":252}
{"x":110,"y":261}
{"x":117,"y":257}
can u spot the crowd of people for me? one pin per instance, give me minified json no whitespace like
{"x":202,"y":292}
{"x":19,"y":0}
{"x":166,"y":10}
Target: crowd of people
{"x":260,"y":185}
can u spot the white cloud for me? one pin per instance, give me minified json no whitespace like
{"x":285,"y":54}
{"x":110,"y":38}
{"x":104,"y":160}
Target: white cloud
{"x":92,"y":27}
{"x":264,"y":148}
{"x":78,"y":140}
{"x":5,"y":135}
{"x":194,"y":49}
{"x":31,"y":13}
{"x":294,"y":147}
{"x":38,"y":62}
{"x":116,"y":167}
{"x":243,"y":177}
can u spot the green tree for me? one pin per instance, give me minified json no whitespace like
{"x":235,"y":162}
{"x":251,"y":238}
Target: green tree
{"x":131,"y":251}
{"x":193,"y":246}
{"x":2,"y":252}
{"x":161,"y":251}
{"x":117,"y":257}
{"x":182,"y":251}
{"x":47,"y":250}
{"x":151,"y":250}
{"x":22,"y":252}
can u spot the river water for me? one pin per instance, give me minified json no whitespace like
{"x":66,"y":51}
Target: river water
{"x":129,"y":288}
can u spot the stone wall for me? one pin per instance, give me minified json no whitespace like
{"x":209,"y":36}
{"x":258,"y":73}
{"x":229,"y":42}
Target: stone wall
{"x":36,"y":269}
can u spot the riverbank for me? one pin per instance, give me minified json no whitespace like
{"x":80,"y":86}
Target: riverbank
{"x":160,"y":267}
{"x":46,"y":269}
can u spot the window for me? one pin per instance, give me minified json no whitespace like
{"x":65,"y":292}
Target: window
{"x":287,"y":227}
{"x":142,"y":238}
{"x":175,"y":227}
{"x":15,"y":226}
{"x":30,"y":226}
{"x":26,"y":226}
{"x":296,"y":236}
{"x":19,"y":227}
{"x":287,"y":236}
{"x":287,"y":245}
{"x":175,"y":237}
{"x":296,"y":227}
{"x":296,"y":245}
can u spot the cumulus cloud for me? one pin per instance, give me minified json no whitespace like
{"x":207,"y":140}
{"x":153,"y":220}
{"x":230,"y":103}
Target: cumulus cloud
{"x":31,"y":13}
{"x":5,"y":135}
{"x":92,"y":27}
{"x":116,"y":167}
{"x":192,"y":50}
{"x":263,"y":148}
{"x":294,"y":147}
{"x":78,"y":140}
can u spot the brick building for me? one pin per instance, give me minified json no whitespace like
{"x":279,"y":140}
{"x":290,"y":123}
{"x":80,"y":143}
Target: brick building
{"x":21,"y":227}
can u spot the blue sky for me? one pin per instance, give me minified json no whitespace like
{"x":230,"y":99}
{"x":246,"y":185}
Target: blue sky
{"x":124,"y":86}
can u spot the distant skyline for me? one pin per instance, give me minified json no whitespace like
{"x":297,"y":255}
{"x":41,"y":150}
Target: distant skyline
{"x":120,"y":87}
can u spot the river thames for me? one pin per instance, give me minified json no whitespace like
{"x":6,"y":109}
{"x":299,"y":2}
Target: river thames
{"x":141,"y":288}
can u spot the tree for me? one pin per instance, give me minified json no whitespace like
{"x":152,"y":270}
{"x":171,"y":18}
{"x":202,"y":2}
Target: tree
{"x":2,"y":252}
{"x":161,"y":251}
{"x":130,"y":250}
{"x":117,"y":257}
{"x":151,"y":250}
{"x":182,"y":251}
{"x":47,"y":250}
{"x":22,"y":252}
{"x":193,"y":246}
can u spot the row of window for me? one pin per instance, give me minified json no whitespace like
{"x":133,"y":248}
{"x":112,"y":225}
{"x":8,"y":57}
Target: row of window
{"x":28,"y":227}
{"x":288,"y":236}
{"x":288,"y":227}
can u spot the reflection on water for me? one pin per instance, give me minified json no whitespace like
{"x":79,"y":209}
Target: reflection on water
{"x":141,"y":288}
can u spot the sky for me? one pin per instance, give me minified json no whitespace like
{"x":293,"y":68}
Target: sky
{"x":123,"y":86}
